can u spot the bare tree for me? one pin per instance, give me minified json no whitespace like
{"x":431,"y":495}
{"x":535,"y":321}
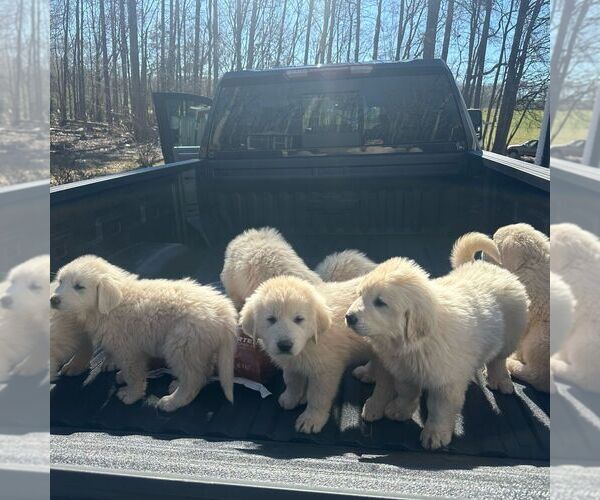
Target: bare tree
{"x":447,"y":30}
{"x":377,"y":30}
{"x":433,"y":12}
{"x":105,"y":72}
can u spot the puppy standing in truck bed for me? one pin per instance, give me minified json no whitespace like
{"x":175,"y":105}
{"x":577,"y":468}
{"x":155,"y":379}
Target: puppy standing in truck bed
{"x":301,"y":327}
{"x":186,"y":324}
{"x":435,"y":334}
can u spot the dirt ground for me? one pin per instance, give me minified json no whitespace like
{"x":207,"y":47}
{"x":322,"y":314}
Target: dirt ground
{"x":79,"y":152}
{"x":23,"y":154}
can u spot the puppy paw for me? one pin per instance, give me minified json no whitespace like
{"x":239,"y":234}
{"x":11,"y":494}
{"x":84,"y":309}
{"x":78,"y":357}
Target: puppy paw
{"x":167,"y":403}
{"x":289,"y":401}
{"x":128,"y":395}
{"x":398,"y":410}
{"x":108,"y":365}
{"x":72,"y":369}
{"x":505,"y":386}
{"x":434,"y":437}
{"x":363,"y":373}
{"x":372,"y":410}
{"x":311,"y":422}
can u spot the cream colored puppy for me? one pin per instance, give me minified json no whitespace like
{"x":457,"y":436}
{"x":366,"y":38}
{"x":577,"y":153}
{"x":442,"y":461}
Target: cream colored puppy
{"x":301,"y":327}
{"x":24,"y":332}
{"x":526,"y":253}
{"x":344,"y":266}
{"x":436,"y":334}
{"x":71,"y":348}
{"x":576,"y":258}
{"x":562,"y":312}
{"x":133,"y":320}
{"x":257,"y":255}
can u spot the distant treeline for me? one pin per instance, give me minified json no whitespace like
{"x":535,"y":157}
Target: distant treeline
{"x":24,"y":62}
{"x":108,"y":56}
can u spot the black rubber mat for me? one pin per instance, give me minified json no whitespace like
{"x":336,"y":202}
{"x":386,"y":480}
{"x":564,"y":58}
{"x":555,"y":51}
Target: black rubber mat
{"x":492,"y":424}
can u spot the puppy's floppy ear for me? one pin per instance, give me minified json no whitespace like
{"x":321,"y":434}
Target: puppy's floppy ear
{"x":247,"y":320}
{"x":323,"y":316}
{"x":420,"y":318}
{"x":109,"y":295}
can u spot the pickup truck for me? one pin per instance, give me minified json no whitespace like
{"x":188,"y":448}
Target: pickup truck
{"x":380,"y":157}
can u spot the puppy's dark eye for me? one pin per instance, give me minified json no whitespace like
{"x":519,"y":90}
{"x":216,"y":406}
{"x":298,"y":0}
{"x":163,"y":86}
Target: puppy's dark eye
{"x":298,"y":319}
{"x":378,"y":302}
{"x":34,"y":287}
{"x":78,"y":287}
{"x":272,"y":320}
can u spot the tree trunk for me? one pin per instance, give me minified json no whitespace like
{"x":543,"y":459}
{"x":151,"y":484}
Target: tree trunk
{"x":476,"y":102}
{"x":238,"y":35}
{"x":311,"y":7}
{"x":357,"y":39}
{"x":139,"y":118}
{"x":433,"y":13}
{"x":65,"y":82}
{"x":320,"y":56}
{"x":215,"y":21}
{"x":448,"y":30}
{"x":377,"y":30}
{"x":163,"y":30}
{"x":281,"y":30}
{"x":400,"y":36}
{"x":511,"y":87}
{"x":124,"y":57}
{"x":252,"y":35}
{"x":332,"y":19}
{"x":16,"y":117}
{"x":105,"y":72}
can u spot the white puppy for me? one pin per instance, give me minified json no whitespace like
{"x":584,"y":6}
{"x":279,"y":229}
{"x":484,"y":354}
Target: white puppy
{"x":133,"y":320}
{"x":257,"y":255}
{"x":526,"y":253}
{"x":562,"y":311}
{"x":24,"y":328}
{"x":436,"y":334}
{"x":576,"y":258}
{"x":301,"y":327}
{"x":71,"y":348}
{"x":344,"y":266}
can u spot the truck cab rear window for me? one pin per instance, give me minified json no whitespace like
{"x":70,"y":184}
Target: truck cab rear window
{"x":386,"y":114}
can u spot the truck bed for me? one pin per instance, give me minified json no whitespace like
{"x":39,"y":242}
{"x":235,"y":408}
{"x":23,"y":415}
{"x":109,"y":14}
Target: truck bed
{"x":177,"y":222}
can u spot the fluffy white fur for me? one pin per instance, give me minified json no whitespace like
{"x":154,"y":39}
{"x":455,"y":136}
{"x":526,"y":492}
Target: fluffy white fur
{"x":436,"y":334}
{"x":301,"y":327}
{"x":344,"y":266}
{"x":71,"y":348}
{"x":562,"y":311}
{"x":186,"y":324}
{"x":526,"y":253}
{"x":575,"y":256}
{"x":257,"y":255}
{"x":24,"y":328}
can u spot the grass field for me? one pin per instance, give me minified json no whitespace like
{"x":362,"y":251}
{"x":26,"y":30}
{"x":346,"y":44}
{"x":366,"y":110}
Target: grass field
{"x":575,"y":127}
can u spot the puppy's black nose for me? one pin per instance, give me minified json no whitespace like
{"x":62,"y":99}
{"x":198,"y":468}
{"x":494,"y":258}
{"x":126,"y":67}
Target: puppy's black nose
{"x":55,"y":301}
{"x":285,"y":345}
{"x":351,"y":319}
{"x":7,"y":301}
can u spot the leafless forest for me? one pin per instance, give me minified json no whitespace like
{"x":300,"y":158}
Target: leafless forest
{"x":108,"y":56}
{"x":23,"y":91}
